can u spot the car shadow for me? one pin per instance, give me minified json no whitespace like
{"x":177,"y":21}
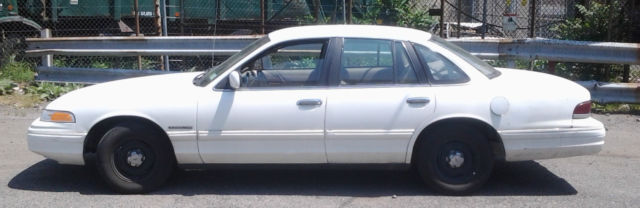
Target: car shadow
{"x":518,"y":179}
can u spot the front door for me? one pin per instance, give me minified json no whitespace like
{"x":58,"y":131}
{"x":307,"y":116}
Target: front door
{"x":277,"y":114}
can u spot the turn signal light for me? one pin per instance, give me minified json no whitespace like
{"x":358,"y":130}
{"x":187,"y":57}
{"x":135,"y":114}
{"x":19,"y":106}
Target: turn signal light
{"x":10,"y":7}
{"x":57,"y":116}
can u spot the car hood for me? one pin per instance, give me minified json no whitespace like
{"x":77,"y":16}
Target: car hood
{"x":129,"y":93}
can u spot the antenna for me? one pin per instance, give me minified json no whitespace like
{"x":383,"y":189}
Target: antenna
{"x":213,"y":51}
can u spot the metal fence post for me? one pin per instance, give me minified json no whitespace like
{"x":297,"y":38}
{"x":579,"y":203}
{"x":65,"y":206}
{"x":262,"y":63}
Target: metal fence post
{"x":459,"y":4}
{"x":625,"y":73}
{"x":484,"y":18}
{"x":349,"y":12}
{"x":163,"y":16}
{"x":442,"y":18}
{"x":344,"y":13}
{"x":163,"y":22}
{"x":47,"y":60}
{"x":263,"y":15}
{"x":532,"y":25}
{"x":137,"y":16}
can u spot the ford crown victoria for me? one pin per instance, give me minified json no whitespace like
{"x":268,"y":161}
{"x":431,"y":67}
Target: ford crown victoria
{"x":324,"y":95}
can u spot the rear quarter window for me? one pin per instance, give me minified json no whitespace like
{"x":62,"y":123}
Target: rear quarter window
{"x":440,"y":69}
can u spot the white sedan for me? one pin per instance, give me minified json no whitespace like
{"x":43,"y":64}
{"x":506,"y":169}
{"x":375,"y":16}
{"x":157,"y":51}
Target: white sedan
{"x":326,"y":95}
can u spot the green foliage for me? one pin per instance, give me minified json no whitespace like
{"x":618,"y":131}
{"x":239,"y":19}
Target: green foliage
{"x":408,"y":15}
{"x":18,"y":71}
{"x":6,"y":86}
{"x":396,"y":12}
{"x":49,"y":91}
{"x":371,"y":15}
{"x":593,"y":23}
{"x":12,"y":66}
{"x":596,"y":22}
{"x":100,"y":65}
{"x":538,"y":65}
{"x":103,"y":63}
{"x":616,"y":108}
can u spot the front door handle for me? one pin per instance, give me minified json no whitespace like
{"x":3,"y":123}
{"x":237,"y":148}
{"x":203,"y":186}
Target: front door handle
{"x":418,"y":100}
{"x":309,"y":102}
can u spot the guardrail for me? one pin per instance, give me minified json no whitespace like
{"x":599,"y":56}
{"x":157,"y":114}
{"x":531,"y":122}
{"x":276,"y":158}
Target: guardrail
{"x":528,"y":49}
{"x":553,"y":50}
{"x":138,"y":46}
{"x":606,"y":92}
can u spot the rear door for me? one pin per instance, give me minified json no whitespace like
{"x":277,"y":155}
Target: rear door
{"x":381,"y":97}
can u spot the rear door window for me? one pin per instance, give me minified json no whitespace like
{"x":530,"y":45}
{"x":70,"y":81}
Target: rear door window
{"x":371,"y":61}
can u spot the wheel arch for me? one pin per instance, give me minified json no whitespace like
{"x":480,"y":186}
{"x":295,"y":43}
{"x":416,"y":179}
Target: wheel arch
{"x":98,"y":130}
{"x":491,"y":133}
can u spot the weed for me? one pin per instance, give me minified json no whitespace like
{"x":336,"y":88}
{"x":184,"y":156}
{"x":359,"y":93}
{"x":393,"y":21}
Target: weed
{"x":47,"y":91}
{"x":20,"y":101}
{"x":6,"y":86}
{"x":18,"y":71}
{"x":616,"y":108}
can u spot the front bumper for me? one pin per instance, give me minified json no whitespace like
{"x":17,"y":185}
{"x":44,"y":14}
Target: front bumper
{"x":56,"y":141}
{"x":586,"y":137}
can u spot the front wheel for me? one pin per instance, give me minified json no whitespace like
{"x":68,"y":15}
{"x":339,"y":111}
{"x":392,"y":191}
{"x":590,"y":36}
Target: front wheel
{"x":454,"y":161}
{"x":133,"y":158}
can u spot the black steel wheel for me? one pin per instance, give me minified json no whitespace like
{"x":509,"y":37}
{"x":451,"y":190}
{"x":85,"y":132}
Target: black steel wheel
{"x":454,"y":161}
{"x":132,"y":158}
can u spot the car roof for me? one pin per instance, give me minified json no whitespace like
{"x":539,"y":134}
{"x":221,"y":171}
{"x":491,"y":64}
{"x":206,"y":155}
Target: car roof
{"x":353,"y":31}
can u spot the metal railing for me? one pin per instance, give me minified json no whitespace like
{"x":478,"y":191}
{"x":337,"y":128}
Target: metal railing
{"x":528,"y":49}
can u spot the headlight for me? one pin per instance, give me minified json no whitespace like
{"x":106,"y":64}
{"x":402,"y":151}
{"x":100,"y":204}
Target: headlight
{"x":57,"y":116}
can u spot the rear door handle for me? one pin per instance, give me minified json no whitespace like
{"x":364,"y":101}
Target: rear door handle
{"x":309,"y":102}
{"x":418,"y":100}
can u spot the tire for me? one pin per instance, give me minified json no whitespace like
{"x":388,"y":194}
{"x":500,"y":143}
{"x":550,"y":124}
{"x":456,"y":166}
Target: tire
{"x":439,"y":165}
{"x":132,"y":158}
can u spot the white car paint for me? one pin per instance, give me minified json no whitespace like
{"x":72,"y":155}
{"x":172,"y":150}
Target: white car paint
{"x":359,"y":124}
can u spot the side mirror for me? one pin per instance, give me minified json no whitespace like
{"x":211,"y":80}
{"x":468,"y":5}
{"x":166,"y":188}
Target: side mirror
{"x":234,"y":80}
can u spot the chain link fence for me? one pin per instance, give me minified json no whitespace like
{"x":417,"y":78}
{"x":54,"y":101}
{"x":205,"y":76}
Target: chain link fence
{"x":91,"y":18}
{"x":506,"y":18}
{"x":84,"y":18}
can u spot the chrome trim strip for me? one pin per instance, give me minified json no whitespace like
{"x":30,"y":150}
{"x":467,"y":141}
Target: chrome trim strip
{"x":546,"y":131}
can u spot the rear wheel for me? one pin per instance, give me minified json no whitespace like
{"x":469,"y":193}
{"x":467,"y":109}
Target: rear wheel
{"x":133,"y":158}
{"x":454,"y":161}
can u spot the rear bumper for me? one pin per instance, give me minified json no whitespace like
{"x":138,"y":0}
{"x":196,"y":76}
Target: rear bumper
{"x":56,"y":141}
{"x":586,"y":137}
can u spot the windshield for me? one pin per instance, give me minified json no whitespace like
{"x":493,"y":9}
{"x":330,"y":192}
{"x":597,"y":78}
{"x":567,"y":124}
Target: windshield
{"x":480,"y":65}
{"x":214,"y":72}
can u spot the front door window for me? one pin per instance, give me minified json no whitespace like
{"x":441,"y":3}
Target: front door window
{"x":291,"y":64}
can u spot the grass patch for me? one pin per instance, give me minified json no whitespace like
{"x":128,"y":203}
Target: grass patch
{"x":616,"y":108}
{"x":18,"y":71}
{"x":20,"y":100}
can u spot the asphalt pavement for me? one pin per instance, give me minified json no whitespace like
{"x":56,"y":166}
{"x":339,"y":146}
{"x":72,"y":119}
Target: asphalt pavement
{"x":608,"y":179}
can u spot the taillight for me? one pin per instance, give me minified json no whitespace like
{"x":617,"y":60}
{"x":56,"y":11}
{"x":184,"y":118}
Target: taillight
{"x":582,"y":110}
